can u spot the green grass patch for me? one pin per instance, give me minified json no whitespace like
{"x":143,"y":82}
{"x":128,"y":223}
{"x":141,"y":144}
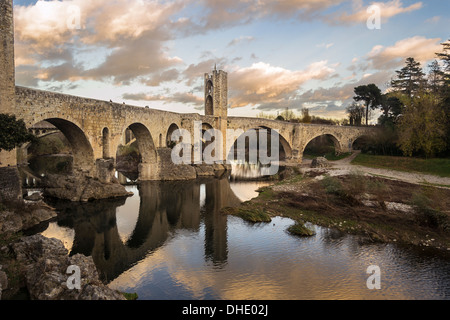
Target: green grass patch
{"x":299,"y":229}
{"x":437,"y":166}
{"x":253,"y":215}
{"x":130,"y":296}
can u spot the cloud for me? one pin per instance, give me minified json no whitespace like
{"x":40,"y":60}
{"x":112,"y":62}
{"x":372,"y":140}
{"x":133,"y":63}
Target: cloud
{"x":329,"y":101}
{"x":360,"y":14}
{"x":131,"y":36}
{"x":325,"y":45}
{"x":178,"y":97}
{"x":420,"y":48}
{"x":241,"y":39}
{"x":263,"y":83}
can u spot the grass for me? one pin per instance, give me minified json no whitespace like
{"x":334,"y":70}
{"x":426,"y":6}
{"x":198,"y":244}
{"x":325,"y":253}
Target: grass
{"x":130,"y":296}
{"x":253,"y":215}
{"x":437,"y":166}
{"x":301,"y":230}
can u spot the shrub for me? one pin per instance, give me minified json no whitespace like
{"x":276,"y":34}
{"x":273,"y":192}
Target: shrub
{"x":427,"y":213}
{"x":332,"y":185}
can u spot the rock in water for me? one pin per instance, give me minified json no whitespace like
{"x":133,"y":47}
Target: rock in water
{"x":81,"y":188}
{"x":46,"y":262}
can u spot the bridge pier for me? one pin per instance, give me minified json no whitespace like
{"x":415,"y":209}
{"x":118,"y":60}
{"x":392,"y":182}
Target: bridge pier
{"x":149,"y":172}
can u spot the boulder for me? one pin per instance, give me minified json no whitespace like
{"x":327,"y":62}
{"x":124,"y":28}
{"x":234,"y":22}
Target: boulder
{"x":23,"y":216}
{"x":46,"y":262}
{"x":34,"y":197}
{"x":81,"y":188}
{"x":320,"y":162}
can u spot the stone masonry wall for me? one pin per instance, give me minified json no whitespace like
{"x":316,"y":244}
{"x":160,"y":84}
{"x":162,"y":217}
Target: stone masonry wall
{"x":10,"y":184}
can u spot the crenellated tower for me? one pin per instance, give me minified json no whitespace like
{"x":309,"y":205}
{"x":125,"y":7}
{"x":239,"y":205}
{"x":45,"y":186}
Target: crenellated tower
{"x":216,"y":94}
{"x":216,"y":101}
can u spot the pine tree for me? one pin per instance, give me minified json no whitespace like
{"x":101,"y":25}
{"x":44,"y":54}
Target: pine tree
{"x":410,"y":78}
{"x":371,"y":95}
{"x":445,"y":89}
{"x":436,"y":77}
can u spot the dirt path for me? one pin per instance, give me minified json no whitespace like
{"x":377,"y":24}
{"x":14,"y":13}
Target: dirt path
{"x":344,"y":166}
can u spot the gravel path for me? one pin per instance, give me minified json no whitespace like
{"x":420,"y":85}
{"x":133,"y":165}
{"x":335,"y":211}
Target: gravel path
{"x":344,"y":166}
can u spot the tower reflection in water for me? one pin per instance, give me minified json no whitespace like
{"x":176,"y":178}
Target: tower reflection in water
{"x":104,"y":230}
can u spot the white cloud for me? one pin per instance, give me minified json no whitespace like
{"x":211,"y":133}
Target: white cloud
{"x":418,"y":47}
{"x":263,"y":83}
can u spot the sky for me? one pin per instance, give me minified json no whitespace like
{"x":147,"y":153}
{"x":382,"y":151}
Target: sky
{"x":278,"y":54}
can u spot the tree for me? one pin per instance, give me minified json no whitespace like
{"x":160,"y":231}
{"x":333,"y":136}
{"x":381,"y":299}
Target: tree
{"x":435,"y":77}
{"x":306,"y":118}
{"x":422,"y":126}
{"x":371,"y":95}
{"x":445,"y":57}
{"x":355,"y":113}
{"x":445,"y":89}
{"x":410,"y":78}
{"x":13,"y":132}
{"x":391,"y":106}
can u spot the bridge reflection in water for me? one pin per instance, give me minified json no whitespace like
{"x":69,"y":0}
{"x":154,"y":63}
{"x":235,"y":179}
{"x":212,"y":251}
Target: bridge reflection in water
{"x":104,"y":230}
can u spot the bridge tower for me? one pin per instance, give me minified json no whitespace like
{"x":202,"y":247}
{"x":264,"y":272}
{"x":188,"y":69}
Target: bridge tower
{"x":9,"y":175}
{"x":216,"y":94}
{"x":216,"y":101}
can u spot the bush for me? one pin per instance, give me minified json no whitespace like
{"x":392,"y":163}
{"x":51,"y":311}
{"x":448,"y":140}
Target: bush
{"x":332,"y":185}
{"x":427,"y":213}
{"x":348,"y":192}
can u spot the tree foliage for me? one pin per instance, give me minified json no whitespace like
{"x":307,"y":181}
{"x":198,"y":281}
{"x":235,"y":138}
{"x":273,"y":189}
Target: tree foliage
{"x":422,"y":126}
{"x":371,"y":95}
{"x":415,"y":110}
{"x":13,"y":132}
{"x":410,"y":78}
{"x":391,"y":106}
{"x":355,"y":113}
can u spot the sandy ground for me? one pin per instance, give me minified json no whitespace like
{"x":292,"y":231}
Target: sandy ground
{"x":342,"y":167}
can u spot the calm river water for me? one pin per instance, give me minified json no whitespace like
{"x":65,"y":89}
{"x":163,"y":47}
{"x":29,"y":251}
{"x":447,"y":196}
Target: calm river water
{"x":169,"y":241}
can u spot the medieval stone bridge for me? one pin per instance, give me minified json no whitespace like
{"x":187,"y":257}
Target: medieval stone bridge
{"x":95,"y":129}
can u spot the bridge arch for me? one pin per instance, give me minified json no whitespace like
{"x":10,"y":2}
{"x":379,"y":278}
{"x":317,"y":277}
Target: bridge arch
{"x":338,"y":147}
{"x":145,"y":142}
{"x":285,"y":152}
{"x":172,"y":128}
{"x":82,"y":151}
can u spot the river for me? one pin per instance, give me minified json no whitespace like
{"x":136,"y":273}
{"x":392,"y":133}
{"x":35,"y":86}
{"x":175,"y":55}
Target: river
{"x":170,"y":242}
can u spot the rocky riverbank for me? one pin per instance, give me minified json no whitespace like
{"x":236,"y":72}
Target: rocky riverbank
{"x":81,"y":188}
{"x":37,"y":266}
{"x":375,"y":208}
{"x":42,"y":267}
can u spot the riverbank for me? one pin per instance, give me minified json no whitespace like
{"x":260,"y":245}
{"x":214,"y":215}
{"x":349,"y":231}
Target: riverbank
{"x":376,"y":208}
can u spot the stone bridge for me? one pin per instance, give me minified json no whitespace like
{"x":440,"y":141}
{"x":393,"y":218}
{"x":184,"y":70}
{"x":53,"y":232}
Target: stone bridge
{"x":95,"y":129}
